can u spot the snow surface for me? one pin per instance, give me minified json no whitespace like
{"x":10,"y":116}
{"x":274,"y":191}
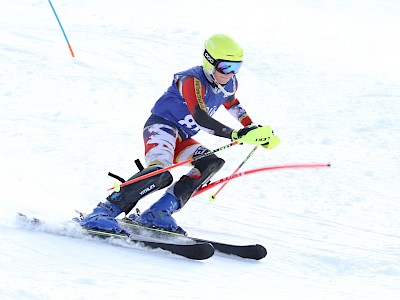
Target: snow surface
{"x":324,"y":74}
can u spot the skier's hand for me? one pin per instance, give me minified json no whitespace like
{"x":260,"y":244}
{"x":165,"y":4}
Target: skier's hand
{"x":252,"y":134}
{"x":238,"y":134}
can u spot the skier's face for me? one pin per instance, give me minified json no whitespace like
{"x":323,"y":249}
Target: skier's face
{"x":222,"y":78}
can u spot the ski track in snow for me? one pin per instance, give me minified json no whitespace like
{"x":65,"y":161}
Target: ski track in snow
{"x":325,"y":76}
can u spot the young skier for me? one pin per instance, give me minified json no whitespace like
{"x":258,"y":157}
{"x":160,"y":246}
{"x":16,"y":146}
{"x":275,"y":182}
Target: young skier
{"x":180,"y":113}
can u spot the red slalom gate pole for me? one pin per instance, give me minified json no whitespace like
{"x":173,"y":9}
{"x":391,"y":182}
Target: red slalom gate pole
{"x":271,"y":168}
{"x":117,"y":186}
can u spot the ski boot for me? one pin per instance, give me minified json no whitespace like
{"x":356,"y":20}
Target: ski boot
{"x":159,"y":215}
{"x":103,"y":218}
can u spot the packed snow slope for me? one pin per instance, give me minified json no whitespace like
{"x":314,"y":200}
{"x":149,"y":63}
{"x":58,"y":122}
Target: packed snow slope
{"x":325,"y":76}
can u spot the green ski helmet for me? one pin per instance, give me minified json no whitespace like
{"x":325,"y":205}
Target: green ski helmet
{"x":222,"y":53}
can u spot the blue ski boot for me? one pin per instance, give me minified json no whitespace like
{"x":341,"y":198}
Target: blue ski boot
{"x":159,"y":214}
{"x":103,"y":218}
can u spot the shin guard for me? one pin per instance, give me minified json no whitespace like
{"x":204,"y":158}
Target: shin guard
{"x":187,"y":184}
{"x":129,"y":195}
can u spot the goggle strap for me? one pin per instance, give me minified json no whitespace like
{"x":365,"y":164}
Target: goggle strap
{"x":209,"y":57}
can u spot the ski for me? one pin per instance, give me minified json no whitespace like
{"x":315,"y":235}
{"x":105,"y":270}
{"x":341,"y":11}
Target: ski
{"x":254,"y":251}
{"x":196,"y":250}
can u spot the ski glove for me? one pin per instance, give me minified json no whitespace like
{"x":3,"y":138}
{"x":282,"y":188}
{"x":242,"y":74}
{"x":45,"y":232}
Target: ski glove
{"x":256,"y":135}
{"x":252,"y":134}
{"x":272,"y":143}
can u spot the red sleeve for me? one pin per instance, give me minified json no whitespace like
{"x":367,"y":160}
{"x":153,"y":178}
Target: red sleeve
{"x":193,"y":92}
{"x":229,"y":104}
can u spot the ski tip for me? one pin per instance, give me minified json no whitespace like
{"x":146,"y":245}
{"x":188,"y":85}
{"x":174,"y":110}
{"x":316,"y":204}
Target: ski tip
{"x":259,"y":252}
{"x":28,"y":219}
{"x":204,"y":251}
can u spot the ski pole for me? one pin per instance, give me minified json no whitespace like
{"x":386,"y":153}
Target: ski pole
{"x":118,"y":186}
{"x":212,"y":197}
{"x":237,"y":175}
{"x":62,"y":29}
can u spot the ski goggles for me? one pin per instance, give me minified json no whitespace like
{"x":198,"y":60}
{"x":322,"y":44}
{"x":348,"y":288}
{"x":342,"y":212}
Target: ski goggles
{"x":223,"y":66}
{"x":227,"y":67}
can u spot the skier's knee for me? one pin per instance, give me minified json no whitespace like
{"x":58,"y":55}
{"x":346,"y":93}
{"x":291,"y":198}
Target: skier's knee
{"x":208,"y":164}
{"x":187,"y":185}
